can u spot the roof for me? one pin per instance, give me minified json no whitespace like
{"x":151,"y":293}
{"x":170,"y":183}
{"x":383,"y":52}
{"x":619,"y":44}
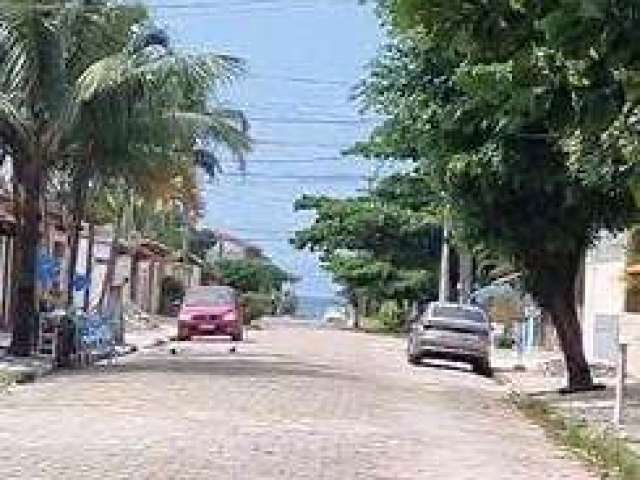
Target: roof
{"x":154,"y":248}
{"x":230,"y":238}
{"x":191,"y":258}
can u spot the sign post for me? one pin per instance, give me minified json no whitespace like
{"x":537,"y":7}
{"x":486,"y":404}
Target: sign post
{"x":621,"y":373}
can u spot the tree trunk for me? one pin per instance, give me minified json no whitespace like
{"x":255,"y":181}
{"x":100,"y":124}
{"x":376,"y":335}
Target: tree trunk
{"x":465,"y":276}
{"x":133,"y":280}
{"x":78,"y":214}
{"x":24,"y":310}
{"x":89,"y":265}
{"x":569,"y":330}
{"x":554,"y":288}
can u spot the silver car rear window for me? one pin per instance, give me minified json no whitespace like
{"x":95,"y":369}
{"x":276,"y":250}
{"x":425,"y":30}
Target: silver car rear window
{"x":458,"y":313}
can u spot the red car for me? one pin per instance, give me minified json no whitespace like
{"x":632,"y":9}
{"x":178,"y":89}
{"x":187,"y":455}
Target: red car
{"x":210,"y":310}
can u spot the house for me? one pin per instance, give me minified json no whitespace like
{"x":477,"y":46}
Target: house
{"x":610,"y":300}
{"x":228,"y":246}
{"x":141,"y":265}
{"x":54,"y":248}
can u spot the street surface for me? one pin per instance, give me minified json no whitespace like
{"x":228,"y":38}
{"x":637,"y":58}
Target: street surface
{"x":292,"y":403}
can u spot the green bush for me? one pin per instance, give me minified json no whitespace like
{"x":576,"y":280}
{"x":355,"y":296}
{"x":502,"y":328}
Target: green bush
{"x":251,"y":274}
{"x":256,"y":305}
{"x":505,"y":341}
{"x":389,"y":318}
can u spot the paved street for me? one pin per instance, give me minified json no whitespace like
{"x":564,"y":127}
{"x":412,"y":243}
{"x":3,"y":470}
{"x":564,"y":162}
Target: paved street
{"x":290,"y":404}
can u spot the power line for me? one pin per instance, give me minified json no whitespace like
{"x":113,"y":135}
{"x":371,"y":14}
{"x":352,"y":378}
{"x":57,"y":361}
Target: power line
{"x":294,"y":161}
{"x":285,"y":143}
{"x":304,"y":80}
{"x":337,"y":177}
{"x":189,"y":7}
{"x":256,"y":230}
{"x":214,"y":10}
{"x":309,"y":121}
{"x":209,"y":4}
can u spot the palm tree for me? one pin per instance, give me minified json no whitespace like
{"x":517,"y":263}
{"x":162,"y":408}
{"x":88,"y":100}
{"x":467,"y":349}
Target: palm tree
{"x":115,"y":116}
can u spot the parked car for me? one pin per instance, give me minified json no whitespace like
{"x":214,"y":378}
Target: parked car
{"x":449,"y":331}
{"x":210,"y":310}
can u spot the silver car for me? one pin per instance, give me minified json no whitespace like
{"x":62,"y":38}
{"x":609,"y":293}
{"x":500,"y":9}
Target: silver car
{"x":450,"y":331}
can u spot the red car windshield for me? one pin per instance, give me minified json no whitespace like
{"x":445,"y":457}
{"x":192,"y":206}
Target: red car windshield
{"x":209,"y":297}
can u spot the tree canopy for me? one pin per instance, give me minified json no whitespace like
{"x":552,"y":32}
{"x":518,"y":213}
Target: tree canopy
{"x":382,"y":246}
{"x":525,"y":116}
{"x":257,"y":275}
{"x":92,"y":94}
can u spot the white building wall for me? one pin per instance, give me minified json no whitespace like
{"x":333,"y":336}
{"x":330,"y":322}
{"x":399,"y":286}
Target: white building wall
{"x":604,"y":301}
{"x":101,"y":252}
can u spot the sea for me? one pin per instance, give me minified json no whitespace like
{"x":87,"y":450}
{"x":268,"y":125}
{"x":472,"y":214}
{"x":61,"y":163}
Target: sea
{"x":313,"y":308}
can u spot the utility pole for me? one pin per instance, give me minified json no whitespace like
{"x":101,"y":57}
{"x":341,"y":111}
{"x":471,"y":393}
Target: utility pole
{"x":444,"y":259}
{"x":185,"y":245}
{"x":466,"y":276}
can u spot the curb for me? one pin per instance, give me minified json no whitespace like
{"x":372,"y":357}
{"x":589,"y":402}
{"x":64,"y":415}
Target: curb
{"x":22,"y":375}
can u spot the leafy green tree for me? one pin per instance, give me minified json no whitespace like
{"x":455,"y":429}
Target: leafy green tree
{"x":256,"y":275}
{"x":525,"y":115}
{"x":80,"y":94}
{"x":381,"y":246}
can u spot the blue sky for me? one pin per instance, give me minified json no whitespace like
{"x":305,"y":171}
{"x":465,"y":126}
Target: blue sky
{"x":303,"y":58}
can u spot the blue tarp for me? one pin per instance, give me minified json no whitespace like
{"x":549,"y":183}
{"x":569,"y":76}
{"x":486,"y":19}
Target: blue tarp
{"x":96,"y":332}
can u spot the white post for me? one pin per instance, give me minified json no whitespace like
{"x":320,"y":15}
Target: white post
{"x":621,"y":373}
{"x":520,"y":346}
{"x":444,"y":260}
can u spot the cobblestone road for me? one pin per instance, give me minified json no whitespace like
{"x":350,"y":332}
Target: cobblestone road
{"x":290,"y":404}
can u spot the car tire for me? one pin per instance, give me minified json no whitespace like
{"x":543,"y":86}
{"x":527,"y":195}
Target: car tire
{"x":482,"y":367}
{"x":414,"y":360}
{"x":412,"y":357}
{"x":238,"y":337}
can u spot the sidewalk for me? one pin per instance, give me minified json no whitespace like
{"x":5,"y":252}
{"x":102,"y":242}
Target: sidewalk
{"x":544,"y":375}
{"x":26,"y":370}
{"x":152,"y":336}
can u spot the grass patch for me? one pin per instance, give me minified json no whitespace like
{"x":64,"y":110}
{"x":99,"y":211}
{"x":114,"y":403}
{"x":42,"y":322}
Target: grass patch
{"x":604,"y":451}
{"x":6,"y":381}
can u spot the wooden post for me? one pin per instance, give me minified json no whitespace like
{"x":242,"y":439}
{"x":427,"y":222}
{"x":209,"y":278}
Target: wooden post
{"x":621,"y":373}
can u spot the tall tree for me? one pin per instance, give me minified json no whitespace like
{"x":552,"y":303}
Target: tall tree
{"x":527,"y":126}
{"x":119,"y":113}
{"x":381,"y":246}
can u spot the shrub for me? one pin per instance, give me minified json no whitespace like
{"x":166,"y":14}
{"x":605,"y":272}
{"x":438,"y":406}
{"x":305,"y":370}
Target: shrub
{"x":257,"y":305}
{"x":389,"y":318}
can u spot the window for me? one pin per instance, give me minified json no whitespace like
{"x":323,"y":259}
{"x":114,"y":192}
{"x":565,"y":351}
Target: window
{"x":458,"y":313}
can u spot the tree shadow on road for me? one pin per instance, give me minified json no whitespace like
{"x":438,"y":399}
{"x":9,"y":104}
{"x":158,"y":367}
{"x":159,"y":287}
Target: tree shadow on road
{"x":221,"y":364}
{"x":455,"y":367}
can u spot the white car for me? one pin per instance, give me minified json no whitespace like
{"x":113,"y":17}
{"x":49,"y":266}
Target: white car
{"x":335,"y":315}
